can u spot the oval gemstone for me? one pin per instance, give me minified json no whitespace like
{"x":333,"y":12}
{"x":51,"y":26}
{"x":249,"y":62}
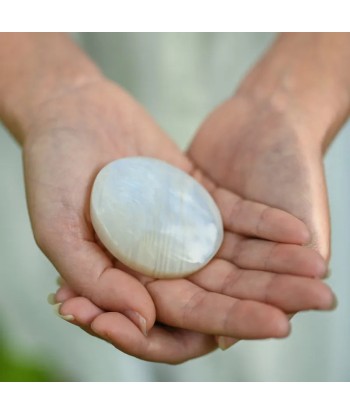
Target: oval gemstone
{"x":155,"y":218}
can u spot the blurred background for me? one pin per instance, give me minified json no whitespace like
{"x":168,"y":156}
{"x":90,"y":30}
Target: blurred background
{"x":179,"y":78}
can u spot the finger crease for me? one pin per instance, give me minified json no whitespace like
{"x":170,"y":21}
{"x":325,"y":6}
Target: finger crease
{"x":237,"y":252}
{"x":261,"y":221}
{"x":227,"y":319}
{"x":267,"y":296}
{"x":269,"y":256}
{"x":193,"y":303}
{"x":235,"y":211}
{"x":231,"y":280}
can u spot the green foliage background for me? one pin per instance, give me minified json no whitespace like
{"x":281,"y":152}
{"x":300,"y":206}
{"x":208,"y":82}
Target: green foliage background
{"x":15,"y":367}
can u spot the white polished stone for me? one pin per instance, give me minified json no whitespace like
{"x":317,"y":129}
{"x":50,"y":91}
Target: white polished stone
{"x":155,"y":218}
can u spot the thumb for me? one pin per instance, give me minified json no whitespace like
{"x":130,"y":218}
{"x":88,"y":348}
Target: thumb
{"x":90,"y":273}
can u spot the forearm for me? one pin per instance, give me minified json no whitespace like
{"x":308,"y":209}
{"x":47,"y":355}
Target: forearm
{"x":305,"y":75}
{"x":34,"y":68}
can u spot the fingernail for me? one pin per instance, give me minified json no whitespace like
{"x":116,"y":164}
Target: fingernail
{"x":225,"y":342}
{"x":51,"y":299}
{"x":335,"y":302}
{"x":137,"y":319}
{"x":328,"y":273}
{"x":59,"y":281}
{"x":56,"y":308}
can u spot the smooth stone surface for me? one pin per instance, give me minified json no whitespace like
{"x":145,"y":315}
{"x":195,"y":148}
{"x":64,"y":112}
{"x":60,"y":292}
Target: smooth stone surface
{"x":155,"y":218}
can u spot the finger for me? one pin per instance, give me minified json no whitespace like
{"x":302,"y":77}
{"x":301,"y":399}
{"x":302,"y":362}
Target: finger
{"x":90,"y":273}
{"x":269,"y":256}
{"x":255,"y":219}
{"x":161,"y":345}
{"x":181,"y":303}
{"x":81,"y":312}
{"x":225,"y":342}
{"x":287,"y":292}
{"x":82,"y":309}
{"x":64,"y":293}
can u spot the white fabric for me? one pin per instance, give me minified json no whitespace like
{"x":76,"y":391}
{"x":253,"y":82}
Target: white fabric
{"x":179,"y":78}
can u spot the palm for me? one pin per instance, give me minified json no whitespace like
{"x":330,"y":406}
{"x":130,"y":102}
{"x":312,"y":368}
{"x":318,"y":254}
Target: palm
{"x":265,"y":157}
{"x":78,"y":135}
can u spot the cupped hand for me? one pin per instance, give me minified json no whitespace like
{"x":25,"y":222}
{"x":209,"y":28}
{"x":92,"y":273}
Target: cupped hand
{"x":260,"y":273}
{"x":269,"y":155}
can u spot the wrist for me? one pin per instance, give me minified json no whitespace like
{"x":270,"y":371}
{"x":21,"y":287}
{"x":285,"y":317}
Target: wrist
{"x":38,"y":68}
{"x":311,"y":89}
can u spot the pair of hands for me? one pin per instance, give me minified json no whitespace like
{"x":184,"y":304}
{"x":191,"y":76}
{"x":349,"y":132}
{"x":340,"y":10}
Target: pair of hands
{"x":266,"y":180}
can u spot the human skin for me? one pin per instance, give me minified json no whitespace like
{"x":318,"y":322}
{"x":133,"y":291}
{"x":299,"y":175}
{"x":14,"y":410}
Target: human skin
{"x":267,"y":142}
{"x":71,"y":121}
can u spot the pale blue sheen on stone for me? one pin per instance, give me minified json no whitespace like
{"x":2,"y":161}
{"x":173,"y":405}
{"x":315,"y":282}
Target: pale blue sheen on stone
{"x":155,"y":218}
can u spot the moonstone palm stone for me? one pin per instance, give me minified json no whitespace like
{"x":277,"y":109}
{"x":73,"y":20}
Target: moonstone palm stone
{"x":155,"y":218}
